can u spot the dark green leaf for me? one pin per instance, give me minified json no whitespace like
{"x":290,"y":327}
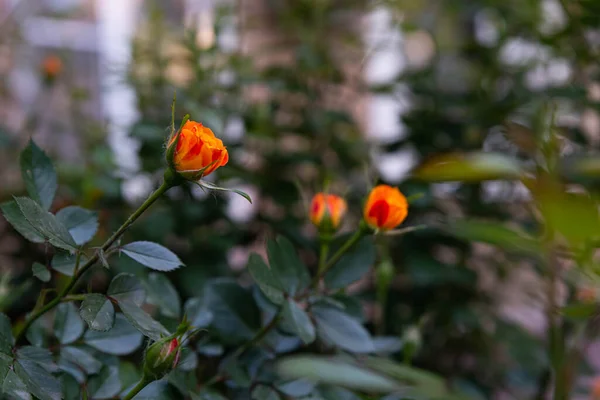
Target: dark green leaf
{"x":68,"y":326}
{"x":71,"y":388}
{"x":423,"y":381}
{"x":106,"y":384}
{"x":82,"y":224}
{"x":81,"y":358}
{"x":15,"y":217}
{"x":208,"y":394}
{"x":14,"y":387}
{"x":263,"y":392}
{"x":71,"y":369}
{"x":299,"y":321}
{"x":38,"y":175}
{"x":472,"y":167}
{"x":142,"y":321}
{"x":188,"y":360}
{"x":352,"y":266}
{"x":40,"y":271}
{"x":339,"y":329}
{"x":98,"y":312}
{"x":39,"y":355}
{"x":120,"y":340}
{"x":211,"y":349}
{"x":334,"y":371}
{"x":337,"y":393}
{"x":127,"y":287}
{"x":37,"y":380}
{"x":265,"y":279}
{"x":65,"y":263}
{"x":6,"y":338}
{"x":297,"y":388}
{"x":152,"y":255}
{"x":197,"y":312}
{"x":46,"y":224}
{"x":162,"y":293}
{"x":159,"y":390}
{"x":235,"y":315}
{"x":285,"y":265}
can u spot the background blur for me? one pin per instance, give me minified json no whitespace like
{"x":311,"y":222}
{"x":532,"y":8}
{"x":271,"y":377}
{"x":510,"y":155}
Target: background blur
{"x":308,"y":94}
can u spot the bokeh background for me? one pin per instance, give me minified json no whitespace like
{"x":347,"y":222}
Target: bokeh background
{"x":309,"y":94}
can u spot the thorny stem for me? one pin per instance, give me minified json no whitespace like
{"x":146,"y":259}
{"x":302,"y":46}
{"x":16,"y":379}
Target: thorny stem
{"x":167,"y":184}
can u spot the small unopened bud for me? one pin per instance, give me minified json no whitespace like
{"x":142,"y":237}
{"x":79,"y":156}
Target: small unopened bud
{"x":161,"y":357}
{"x":327,"y":211}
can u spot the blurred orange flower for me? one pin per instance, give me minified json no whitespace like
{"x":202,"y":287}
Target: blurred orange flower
{"x":386,"y":208}
{"x":198,"y":151}
{"x":327,"y":211}
{"x":595,"y":389}
{"x":52,"y":66}
{"x":586,"y":294}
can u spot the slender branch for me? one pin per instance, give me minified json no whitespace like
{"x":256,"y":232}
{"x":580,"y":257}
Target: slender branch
{"x":259,"y":335}
{"x":138,"y":388}
{"x":81,"y":271}
{"x":324,"y":251}
{"x":336,"y":257}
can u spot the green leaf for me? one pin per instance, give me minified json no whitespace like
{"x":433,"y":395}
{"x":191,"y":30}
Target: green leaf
{"x":197,"y":312}
{"x":211,"y":186}
{"x":82,"y":224}
{"x":285,"y":265}
{"x":6,"y":338}
{"x":338,"y":393}
{"x":152,"y":255}
{"x":163,"y":294}
{"x":188,"y":361}
{"x":46,"y":224}
{"x":106,"y":384}
{"x":297,"y":388}
{"x":38,"y":175}
{"x":263,"y":392}
{"x":299,"y":321}
{"x":41,"y":272}
{"x":210,"y":349}
{"x":470,"y":167}
{"x":235,"y":315}
{"x":14,"y":387}
{"x":339,"y":329}
{"x":352,"y":266}
{"x":335,"y":371}
{"x":265,"y":279}
{"x":580,"y":310}
{"x":495,"y":234}
{"x":127,"y":287}
{"x":65,"y":263}
{"x":122,"y":339}
{"x":98,"y":312}
{"x":71,"y":388}
{"x":37,"y":380}
{"x":68,"y":326}
{"x":424,"y":381}
{"x":15,"y":217}
{"x":208,"y":394}
{"x":158,"y":390}
{"x":83,"y":359}
{"x":39,"y":355}
{"x":142,"y":321}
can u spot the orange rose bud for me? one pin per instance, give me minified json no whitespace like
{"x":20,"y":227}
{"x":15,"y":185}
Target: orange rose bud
{"x":386,"y":208}
{"x":51,"y":67}
{"x":195,"y":151}
{"x":327,"y":211}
